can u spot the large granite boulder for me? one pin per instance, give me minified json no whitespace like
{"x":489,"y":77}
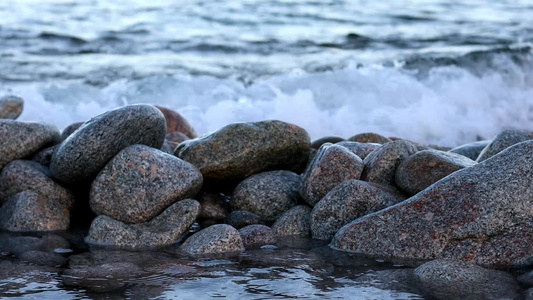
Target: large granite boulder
{"x":239,"y":150}
{"x":348,"y":201}
{"x":381,"y":164}
{"x":140,"y":182}
{"x":268,"y":194}
{"x":502,"y":141}
{"x":162,"y":230}
{"x":220,"y":238}
{"x":88,"y":149}
{"x":332,"y":165}
{"x":20,"y":139}
{"x":481,"y":214}
{"x":426,"y":167}
{"x":11,"y":107}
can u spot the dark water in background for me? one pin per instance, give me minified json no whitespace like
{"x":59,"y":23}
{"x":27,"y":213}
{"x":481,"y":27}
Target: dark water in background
{"x":442,"y":72}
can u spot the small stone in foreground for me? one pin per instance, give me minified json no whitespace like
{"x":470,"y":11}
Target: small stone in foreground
{"x":220,"y":238}
{"x":11,"y":107}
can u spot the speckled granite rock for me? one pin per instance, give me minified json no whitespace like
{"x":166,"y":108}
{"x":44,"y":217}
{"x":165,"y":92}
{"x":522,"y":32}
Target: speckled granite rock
{"x":102,"y":278}
{"x":369,"y":137}
{"x":84,"y":153}
{"x":162,"y":230}
{"x":470,"y":150}
{"x":44,"y":157}
{"x":242,"y":149}
{"x":267,"y":194}
{"x":331,"y":166}
{"x":140,"y":182}
{"x":255,"y":236}
{"x":24,"y":175}
{"x":453,"y":279}
{"x":70,"y":129}
{"x":220,"y":238}
{"x":360,"y":149}
{"x":214,"y":207}
{"x":241,"y":218}
{"x":29,"y":211}
{"x":503,"y":140}
{"x":316,"y":144}
{"x":346,"y":202}
{"x":424,"y":168}
{"x":176,"y":122}
{"x":20,"y":140}
{"x":381,"y":164}
{"x":470,"y":215}
{"x":295,"y":221}
{"x":11,"y":107}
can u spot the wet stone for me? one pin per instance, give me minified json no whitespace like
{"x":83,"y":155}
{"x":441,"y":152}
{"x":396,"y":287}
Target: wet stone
{"x":346,"y":202}
{"x":241,"y":218}
{"x":140,"y":182}
{"x":29,"y":211}
{"x":102,"y":278}
{"x":360,"y":149}
{"x":239,"y":150}
{"x":469,"y":215}
{"x":453,"y":279}
{"x":11,"y":107}
{"x":21,"y":140}
{"x":369,"y":137}
{"x":165,"y":229}
{"x":43,"y":258}
{"x":84,"y":153}
{"x":426,"y":167}
{"x":177,"y":123}
{"x":220,"y":238}
{"x":44,"y":157}
{"x":331,"y":166}
{"x":214,"y":207}
{"x":20,"y":244}
{"x":502,"y":141}
{"x":267,"y":194}
{"x":255,"y":236}
{"x":316,"y":144}
{"x":470,"y":150}
{"x":294,"y":222}
{"x":381,"y":164}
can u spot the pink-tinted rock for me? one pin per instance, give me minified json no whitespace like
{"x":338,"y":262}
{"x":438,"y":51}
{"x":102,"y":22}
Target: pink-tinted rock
{"x":176,"y":122}
{"x":214,"y":207}
{"x":369,"y":137}
{"x":255,"y":236}
{"x":11,"y":107}
{"x":381,"y":164}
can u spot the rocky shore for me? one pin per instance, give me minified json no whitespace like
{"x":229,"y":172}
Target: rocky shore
{"x":139,"y":178}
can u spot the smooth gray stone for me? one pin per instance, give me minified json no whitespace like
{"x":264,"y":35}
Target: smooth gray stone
{"x":470,"y":150}
{"x":220,"y":238}
{"x":502,"y":141}
{"x":241,"y":218}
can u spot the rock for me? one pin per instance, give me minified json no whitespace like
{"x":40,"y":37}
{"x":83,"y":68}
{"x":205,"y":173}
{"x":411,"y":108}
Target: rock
{"x":24,"y":175}
{"x":255,"y":236}
{"x":81,"y":156}
{"x":381,"y":164}
{"x":526,"y":278}
{"x":20,"y":140}
{"x":470,"y":150}
{"x":43,"y":258}
{"x":70,"y":130}
{"x":102,"y":278}
{"x":175,"y":122}
{"x":168,"y":148}
{"x":331,"y":166}
{"x":528,"y":294}
{"x":239,"y":150}
{"x":480,"y":214}
{"x":17,"y":245}
{"x":162,"y":230}
{"x":295,"y":221}
{"x":214,"y":207}
{"x":369,"y":137}
{"x":11,"y":107}
{"x":220,"y":238}
{"x":426,"y":167}
{"x":316,"y":144}
{"x":267,"y":194}
{"x":241,"y":218}
{"x":176,"y":137}
{"x":29,"y":211}
{"x":140,"y":182}
{"x":346,"y":202}
{"x":44,"y":157}
{"x":360,"y":149}
{"x":502,"y":141}
{"x":452,"y":279}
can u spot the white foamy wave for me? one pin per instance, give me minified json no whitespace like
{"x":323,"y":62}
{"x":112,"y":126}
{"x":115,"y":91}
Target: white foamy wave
{"x":449,"y":107}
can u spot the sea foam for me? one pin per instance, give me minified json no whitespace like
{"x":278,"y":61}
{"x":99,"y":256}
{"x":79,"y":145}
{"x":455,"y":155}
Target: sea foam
{"x":448,"y":106}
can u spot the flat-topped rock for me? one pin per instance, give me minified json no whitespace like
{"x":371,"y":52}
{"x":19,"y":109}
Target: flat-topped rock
{"x":426,"y":167}
{"x":381,"y":164}
{"x":220,"y":238}
{"x":162,"y":230}
{"x":140,"y":182}
{"x":11,"y":107}
{"x":239,"y":150}
{"x":469,"y":215}
{"x":21,"y":139}
{"x":502,"y":141}
{"x":87,"y":150}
